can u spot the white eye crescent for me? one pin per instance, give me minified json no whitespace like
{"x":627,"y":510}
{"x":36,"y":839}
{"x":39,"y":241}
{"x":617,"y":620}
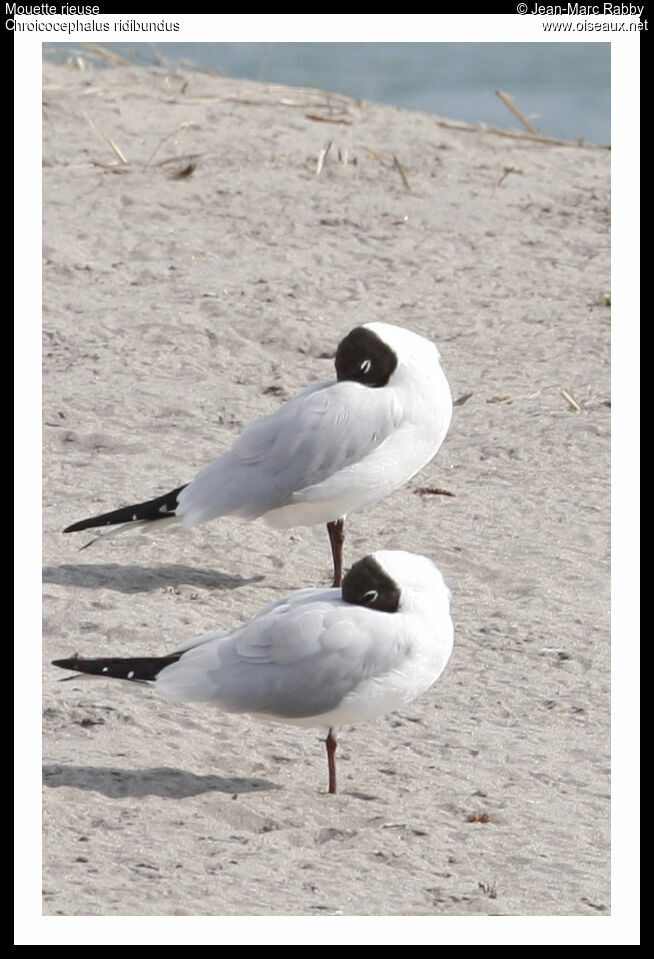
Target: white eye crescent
{"x":365,"y":366}
{"x":371,"y":596}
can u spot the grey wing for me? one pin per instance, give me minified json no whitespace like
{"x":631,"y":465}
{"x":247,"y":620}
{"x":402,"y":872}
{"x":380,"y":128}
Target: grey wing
{"x":276,"y":606}
{"x":319,"y":433}
{"x":312,"y":437}
{"x":292,"y":663}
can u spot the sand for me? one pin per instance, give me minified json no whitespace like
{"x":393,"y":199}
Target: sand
{"x":199,"y":285}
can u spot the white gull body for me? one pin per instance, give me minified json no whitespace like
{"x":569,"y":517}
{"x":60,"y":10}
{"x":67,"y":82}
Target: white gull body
{"x":334,"y":448}
{"x":317,"y":657}
{"x":338,"y":446}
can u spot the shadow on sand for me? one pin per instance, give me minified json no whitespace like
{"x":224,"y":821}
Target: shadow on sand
{"x":141,"y":579}
{"x":158,"y":781}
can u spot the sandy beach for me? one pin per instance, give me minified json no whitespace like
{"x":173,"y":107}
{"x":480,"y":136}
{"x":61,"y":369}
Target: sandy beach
{"x":207,"y":243}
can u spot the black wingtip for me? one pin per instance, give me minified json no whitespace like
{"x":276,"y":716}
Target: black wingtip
{"x":64,"y":663}
{"x":76,"y":527}
{"x":142,"y":669}
{"x":153,"y":509}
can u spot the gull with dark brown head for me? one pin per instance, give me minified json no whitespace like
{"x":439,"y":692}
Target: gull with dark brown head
{"x":318,"y":657}
{"x":338,"y":446}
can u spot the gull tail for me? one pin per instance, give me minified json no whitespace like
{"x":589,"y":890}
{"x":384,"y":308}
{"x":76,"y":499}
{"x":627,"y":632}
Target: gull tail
{"x":143,"y":669}
{"x":140,"y":514}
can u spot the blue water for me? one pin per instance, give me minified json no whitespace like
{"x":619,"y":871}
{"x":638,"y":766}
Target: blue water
{"x":562,"y":88}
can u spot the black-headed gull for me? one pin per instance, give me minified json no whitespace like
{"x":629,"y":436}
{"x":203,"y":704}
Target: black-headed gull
{"x":334,"y":448}
{"x":317,"y":657}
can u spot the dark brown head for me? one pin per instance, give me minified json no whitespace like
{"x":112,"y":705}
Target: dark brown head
{"x":363,"y":357}
{"x":367,"y":584}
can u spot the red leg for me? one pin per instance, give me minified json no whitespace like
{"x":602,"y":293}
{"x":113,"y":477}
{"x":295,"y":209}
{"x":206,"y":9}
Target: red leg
{"x":331,"y":759}
{"x":336,"y":537}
